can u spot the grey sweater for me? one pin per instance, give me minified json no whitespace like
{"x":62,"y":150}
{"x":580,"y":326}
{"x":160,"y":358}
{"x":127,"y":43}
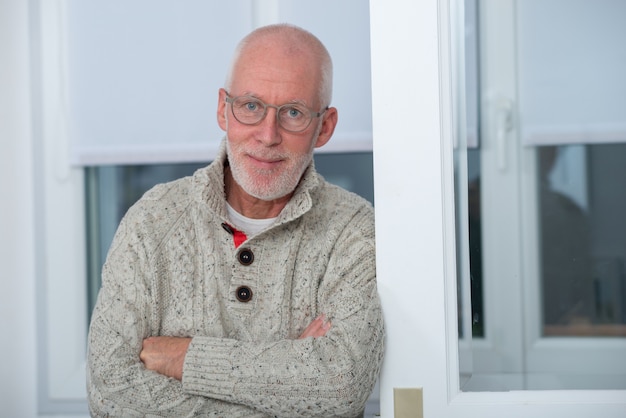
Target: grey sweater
{"x":174,"y":270}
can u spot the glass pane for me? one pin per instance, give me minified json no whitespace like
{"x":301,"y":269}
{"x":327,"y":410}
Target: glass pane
{"x":542,"y":194}
{"x":475,"y":243}
{"x":582,"y":201}
{"x":467,"y":182}
{"x":112,"y":190}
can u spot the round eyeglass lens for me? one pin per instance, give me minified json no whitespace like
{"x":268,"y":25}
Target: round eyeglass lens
{"x":294,"y":117}
{"x":248,"y":110}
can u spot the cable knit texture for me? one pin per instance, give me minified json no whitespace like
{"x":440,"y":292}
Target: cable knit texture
{"x":173,"y":270}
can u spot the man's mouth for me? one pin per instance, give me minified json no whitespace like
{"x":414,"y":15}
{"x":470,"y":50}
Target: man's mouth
{"x":266,"y":162}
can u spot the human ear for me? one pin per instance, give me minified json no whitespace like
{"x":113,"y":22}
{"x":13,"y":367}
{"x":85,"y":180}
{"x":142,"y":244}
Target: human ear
{"x":221,"y":110}
{"x":329,"y":122}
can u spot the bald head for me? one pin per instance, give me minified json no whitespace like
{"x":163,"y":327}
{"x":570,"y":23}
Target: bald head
{"x":288,"y":40}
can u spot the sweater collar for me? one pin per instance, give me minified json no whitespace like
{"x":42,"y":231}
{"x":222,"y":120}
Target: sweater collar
{"x":209,"y":188}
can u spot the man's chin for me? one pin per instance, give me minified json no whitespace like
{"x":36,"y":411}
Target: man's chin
{"x":267,"y":195}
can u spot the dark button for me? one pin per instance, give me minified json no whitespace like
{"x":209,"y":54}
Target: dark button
{"x":228,"y":229}
{"x":243,"y":294}
{"x":246,"y":257}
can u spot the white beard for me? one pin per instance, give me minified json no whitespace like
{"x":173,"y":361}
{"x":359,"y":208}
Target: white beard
{"x":267,"y":184}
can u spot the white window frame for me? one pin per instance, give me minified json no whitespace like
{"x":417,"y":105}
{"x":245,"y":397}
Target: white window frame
{"x":17,"y":283}
{"x":416,"y":257}
{"x":60,"y":225}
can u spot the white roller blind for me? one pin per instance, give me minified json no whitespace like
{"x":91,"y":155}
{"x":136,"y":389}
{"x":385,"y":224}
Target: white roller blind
{"x":343,"y":26}
{"x":143,"y":75}
{"x":572,"y":71}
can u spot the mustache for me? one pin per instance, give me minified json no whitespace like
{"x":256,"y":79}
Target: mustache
{"x":264,"y":156}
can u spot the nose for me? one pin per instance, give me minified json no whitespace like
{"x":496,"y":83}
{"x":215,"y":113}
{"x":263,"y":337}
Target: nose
{"x":269,"y":129}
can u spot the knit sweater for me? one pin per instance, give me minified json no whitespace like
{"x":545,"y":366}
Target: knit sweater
{"x":174,"y":270}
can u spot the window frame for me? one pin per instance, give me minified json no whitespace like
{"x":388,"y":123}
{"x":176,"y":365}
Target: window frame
{"x":511,"y":276}
{"x":59,"y":224}
{"x":411,"y":53}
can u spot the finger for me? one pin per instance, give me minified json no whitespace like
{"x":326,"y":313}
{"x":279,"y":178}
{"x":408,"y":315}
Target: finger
{"x":311,"y":328}
{"x":317,"y":328}
{"x":147,"y":348}
{"x":325,"y":327}
{"x":321,"y":330}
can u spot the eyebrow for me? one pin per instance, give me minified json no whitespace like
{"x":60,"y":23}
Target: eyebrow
{"x":256,"y":96}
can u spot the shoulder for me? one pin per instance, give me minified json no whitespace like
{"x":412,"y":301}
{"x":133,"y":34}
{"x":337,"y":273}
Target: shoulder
{"x":164,"y":199}
{"x":336,"y":206}
{"x":151,"y":218}
{"x":167,"y":199}
{"x":331,"y":195}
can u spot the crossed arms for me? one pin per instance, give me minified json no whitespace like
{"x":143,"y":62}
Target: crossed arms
{"x":149,"y":356}
{"x":166,"y":355}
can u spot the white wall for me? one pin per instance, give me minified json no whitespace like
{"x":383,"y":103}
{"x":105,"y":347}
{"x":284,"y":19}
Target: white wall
{"x":18,"y":361}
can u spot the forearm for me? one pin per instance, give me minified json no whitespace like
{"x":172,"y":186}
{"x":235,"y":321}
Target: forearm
{"x":118,"y":383}
{"x":120,"y":386}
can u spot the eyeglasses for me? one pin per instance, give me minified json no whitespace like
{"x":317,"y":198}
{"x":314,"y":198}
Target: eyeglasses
{"x":292,"y":117}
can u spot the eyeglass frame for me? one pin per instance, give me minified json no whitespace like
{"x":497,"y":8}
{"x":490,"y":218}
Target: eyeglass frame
{"x":312,"y":114}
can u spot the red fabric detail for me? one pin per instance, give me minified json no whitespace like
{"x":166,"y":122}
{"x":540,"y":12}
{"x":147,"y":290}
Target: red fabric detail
{"x":239,"y":237}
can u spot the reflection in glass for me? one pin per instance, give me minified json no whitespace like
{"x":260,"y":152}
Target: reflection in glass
{"x":567,"y":286}
{"x":475,"y":243}
{"x":582,"y":239}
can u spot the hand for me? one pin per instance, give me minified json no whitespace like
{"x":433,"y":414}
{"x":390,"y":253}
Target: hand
{"x":318,"y":328}
{"x":165,"y":355}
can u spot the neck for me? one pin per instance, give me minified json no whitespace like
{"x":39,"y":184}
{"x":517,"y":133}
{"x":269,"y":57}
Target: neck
{"x":250,"y":206}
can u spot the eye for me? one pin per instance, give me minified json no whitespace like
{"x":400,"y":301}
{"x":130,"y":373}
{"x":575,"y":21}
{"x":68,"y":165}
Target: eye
{"x":292,"y":112}
{"x":251,"y":106}
{"x":246,"y":104}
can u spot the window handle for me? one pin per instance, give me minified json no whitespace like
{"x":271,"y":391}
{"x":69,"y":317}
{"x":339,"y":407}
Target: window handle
{"x":504,"y":125}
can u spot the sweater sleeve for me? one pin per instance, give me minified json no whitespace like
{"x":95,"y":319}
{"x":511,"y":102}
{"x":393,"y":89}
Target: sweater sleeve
{"x":118,"y":384}
{"x":331,"y":376}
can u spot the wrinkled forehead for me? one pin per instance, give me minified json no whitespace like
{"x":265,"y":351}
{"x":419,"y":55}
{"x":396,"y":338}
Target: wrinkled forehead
{"x":273,"y":70}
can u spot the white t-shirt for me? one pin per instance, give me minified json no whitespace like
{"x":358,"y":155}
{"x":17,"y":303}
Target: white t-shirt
{"x":247,"y":225}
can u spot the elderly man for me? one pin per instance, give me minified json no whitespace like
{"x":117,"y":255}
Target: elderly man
{"x":249,"y":288}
